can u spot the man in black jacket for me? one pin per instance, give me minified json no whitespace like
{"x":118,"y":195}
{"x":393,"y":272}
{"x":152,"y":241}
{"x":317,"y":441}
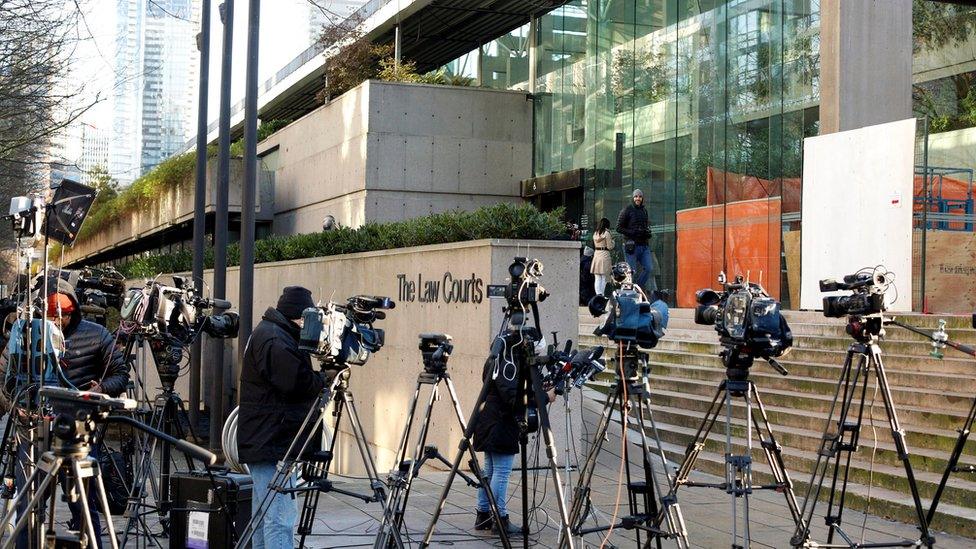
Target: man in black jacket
{"x":278,"y":387}
{"x":634,"y":225}
{"x":91,"y":362}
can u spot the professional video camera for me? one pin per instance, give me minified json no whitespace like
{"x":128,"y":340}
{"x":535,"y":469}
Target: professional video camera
{"x":745,"y":317}
{"x":868,"y":297}
{"x":633,"y":317}
{"x":171,"y":318}
{"x":344,"y":334}
{"x":523,"y":288}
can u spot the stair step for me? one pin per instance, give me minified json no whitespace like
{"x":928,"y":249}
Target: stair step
{"x":957,"y":519}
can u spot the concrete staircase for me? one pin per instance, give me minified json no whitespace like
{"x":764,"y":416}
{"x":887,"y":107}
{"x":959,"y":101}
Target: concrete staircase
{"x":932,"y":398}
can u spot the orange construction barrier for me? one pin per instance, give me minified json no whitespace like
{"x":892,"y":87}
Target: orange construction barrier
{"x":739,"y":238}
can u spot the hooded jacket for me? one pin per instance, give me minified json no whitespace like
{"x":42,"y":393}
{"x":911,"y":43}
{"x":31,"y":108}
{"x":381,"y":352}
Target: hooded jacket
{"x":90,"y":352}
{"x":278,"y":387}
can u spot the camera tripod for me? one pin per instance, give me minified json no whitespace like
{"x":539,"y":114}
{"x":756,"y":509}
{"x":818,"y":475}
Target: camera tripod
{"x":632,"y":390}
{"x":317,"y":463}
{"x":522,"y":354}
{"x":842,"y":437}
{"x":401,"y":479}
{"x":738,"y":467}
{"x":77,"y":416}
{"x":164,"y":414}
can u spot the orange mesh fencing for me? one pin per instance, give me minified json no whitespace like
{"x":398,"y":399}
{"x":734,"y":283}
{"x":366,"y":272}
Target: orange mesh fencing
{"x":749,"y":233}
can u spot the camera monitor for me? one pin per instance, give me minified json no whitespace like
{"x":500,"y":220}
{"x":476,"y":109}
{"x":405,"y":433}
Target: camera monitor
{"x":68,"y":211}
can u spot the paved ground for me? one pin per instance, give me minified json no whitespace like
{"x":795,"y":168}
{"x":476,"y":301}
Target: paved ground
{"x":345,"y":522}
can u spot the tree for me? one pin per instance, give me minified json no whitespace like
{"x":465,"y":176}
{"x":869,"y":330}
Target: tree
{"x":950,"y":103}
{"x":37,"y":39}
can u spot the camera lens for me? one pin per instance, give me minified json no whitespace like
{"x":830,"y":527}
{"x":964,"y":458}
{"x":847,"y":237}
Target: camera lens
{"x":516,"y":270}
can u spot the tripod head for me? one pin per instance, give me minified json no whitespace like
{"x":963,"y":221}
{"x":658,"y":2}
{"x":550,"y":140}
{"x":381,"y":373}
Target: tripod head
{"x":436,"y":350}
{"x":76,"y":414}
{"x":738,"y":359}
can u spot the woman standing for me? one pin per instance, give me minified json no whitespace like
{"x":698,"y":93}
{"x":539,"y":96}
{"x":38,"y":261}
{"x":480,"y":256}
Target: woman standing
{"x":602,"y":263}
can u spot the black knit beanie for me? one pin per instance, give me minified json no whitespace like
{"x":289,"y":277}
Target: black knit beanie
{"x":294,"y":300}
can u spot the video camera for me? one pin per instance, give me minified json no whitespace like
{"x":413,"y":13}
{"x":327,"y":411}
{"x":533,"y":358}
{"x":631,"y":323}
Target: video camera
{"x":436,"y":350}
{"x":523,"y":288}
{"x":171,"y":318}
{"x":633,"y":317}
{"x":868,"y":297}
{"x":176,"y":311}
{"x":746,"y":318}
{"x":340,"y":335}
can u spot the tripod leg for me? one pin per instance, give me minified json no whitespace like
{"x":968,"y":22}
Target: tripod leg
{"x":898,"y":434}
{"x":546,"y":429}
{"x":830,"y":443}
{"x":103,"y":504}
{"x":957,"y":451}
{"x":320,"y":471}
{"x":774,"y":453}
{"x":650,"y":509}
{"x":581,"y":494}
{"x":464,"y":447}
{"x":400,"y":508}
{"x":670,"y":510}
{"x":365,"y":452}
{"x":86,"y":516}
{"x":393,"y":508}
{"x":34,"y":502}
{"x":286,"y":466}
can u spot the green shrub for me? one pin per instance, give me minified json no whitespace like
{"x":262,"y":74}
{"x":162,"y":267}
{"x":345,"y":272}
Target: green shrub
{"x":510,"y":221}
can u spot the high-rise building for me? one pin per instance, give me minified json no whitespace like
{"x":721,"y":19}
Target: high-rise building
{"x":170,"y":63}
{"x":126,"y":138}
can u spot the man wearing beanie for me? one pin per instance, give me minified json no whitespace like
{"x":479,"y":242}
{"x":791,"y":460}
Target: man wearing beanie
{"x":278,"y":387}
{"x":634,"y":225}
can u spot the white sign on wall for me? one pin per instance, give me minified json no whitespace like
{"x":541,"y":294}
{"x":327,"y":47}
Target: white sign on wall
{"x":857,"y":207}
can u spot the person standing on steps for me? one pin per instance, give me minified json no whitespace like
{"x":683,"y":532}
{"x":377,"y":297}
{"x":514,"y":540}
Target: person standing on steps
{"x":634,"y":226}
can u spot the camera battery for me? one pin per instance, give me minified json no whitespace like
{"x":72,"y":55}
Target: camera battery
{"x":197,"y":519}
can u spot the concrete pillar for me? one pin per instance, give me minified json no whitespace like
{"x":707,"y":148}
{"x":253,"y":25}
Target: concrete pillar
{"x":865,"y":63}
{"x":533,"y":52}
{"x":479,"y":73}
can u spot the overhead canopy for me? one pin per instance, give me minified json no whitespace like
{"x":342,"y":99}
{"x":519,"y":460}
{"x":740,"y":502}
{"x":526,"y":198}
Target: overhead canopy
{"x":444,"y":30}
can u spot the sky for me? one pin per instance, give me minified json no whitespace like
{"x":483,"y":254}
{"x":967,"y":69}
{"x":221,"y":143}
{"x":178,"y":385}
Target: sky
{"x":285,"y":31}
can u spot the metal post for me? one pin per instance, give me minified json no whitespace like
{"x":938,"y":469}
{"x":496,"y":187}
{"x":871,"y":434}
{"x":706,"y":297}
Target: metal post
{"x":618,"y":161}
{"x":397,"y":45}
{"x":246,"y":295}
{"x":221,"y":217}
{"x":925,"y":207}
{"x":533,"y":52}
{"x":200,"y":198}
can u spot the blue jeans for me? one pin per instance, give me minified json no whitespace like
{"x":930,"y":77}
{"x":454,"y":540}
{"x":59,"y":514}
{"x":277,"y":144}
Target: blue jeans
{"x":642,"y":257}
{"x":498,"y":467}
{"x":277,"y":530}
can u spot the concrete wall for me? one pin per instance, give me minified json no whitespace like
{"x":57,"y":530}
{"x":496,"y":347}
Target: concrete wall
{"x":171,"y":208}
{"x":384,"y":386}
{"x":865,"y":63}
{"x":388,"y":151}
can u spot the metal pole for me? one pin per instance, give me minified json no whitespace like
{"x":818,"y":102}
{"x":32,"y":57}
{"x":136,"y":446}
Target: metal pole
{"x":221,"y":216}
{"x":246,"y":295}
{"x":925,"y":207}
{"x":200,"y":198}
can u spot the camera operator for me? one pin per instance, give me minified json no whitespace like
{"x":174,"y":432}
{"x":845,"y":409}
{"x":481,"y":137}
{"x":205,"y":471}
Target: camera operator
{"x":91,"y":362}
{"x":634,"y":225}
{"x":278,"y":386}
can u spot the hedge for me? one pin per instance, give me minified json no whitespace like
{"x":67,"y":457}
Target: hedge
{"x":522,"y":222}
{"x":174,"y":172}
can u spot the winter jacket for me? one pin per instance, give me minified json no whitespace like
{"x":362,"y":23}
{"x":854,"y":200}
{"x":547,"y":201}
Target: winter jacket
{"x":496,"y":428}
{"x":633,"y":224}
{"x":90,"y":352}
{"x":278,"y":387}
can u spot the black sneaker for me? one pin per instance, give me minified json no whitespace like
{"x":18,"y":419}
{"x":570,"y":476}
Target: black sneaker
{"x":482,"y":520}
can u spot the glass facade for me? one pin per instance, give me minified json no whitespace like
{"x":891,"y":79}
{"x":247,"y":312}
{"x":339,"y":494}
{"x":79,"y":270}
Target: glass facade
{"x":944,"y":99}
{"x":703,"y":105}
